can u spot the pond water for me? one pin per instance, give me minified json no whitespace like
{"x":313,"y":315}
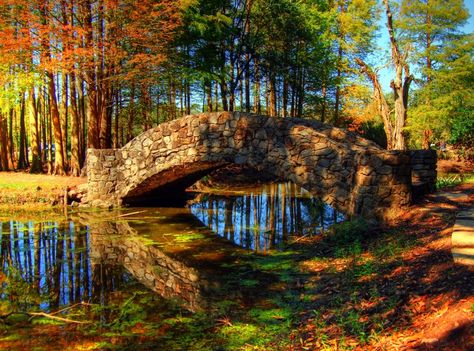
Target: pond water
{"x":183,"y":254}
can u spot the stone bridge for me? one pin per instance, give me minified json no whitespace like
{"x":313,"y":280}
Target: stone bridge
{"x":350,"y":173}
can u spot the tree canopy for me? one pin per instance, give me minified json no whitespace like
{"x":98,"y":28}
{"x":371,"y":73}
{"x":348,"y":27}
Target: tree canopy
{"x":76,"y":74}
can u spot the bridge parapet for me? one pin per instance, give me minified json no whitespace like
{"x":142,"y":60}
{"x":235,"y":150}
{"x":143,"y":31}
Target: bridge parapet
{"x":350,"y":173}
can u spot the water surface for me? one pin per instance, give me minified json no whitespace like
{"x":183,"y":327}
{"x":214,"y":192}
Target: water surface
{"x":183,"y":254}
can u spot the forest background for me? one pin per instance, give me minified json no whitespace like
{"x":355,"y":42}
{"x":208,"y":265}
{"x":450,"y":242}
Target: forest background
{"x":78,"y":74}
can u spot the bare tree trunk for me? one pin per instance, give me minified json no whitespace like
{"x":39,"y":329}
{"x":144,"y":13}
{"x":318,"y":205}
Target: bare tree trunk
{"x":323,"y":102}
{"x":22,"y":159}
{"x":209,"y":96}
{"x":225,"y":105}
{"x":301,"y":94}
{"x":59,"y":164}
{"x":82,"y":118}
{"x":91,"y":79}
{"x":36,"y":164}
{"x":257,"y":108}
{"x":131,"y":112}
{"x":65,"y":115}
{"x":400,"y":85}
{"x":273,"y":99}
{"x":75,"y":131}
{"x":118,"y":108}
{"x":382,"y":104}
{"x":188,"y":97}
{"x":5,"y":154}
{"x":285,"y":97}
{"x":247,"y":83}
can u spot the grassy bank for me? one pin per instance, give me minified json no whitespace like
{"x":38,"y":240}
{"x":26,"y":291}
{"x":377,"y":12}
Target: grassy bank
{"x":24,"y":194}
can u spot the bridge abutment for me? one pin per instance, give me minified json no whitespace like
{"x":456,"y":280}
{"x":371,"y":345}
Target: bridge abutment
{"x":102,"y":175}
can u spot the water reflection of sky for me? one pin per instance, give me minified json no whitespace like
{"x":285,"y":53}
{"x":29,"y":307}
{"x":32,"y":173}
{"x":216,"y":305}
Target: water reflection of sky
{"x":262,"y":218}
{"x":50,"y":264}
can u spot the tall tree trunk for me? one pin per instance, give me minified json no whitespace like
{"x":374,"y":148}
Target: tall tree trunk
{"x":90,"y":77}
{"x":293,"y":98}
{"x":131,"y":112}
{"x":82,"y":110}
{"x":216,"y":94}
{"x":400,"y":85}
{"x":247,"y":83}
{"x":427,"y":133}
{"x":257,"y":108}
{"x":428,"y":47}
{"x":188,"y":97}
{"x":44,"y":125}
{"x":118,"y":108}
{"x":64,"y":114}
{"x":285,"y":97}
{"x":323,"y":102}
{"x":5,"y":156}
{"x":383,"y":107}
{"x":208,"y":87}
{"x":75,"y":130}
{"x":232,"y":86}
{"x":337,"y":102}
{"x":59,"y":165}
{"x":223,"y":85}
{"x":301,"y":84}
{"x":272,"y":94}
{"x":36,"y":162}
{"x":22,"y":159}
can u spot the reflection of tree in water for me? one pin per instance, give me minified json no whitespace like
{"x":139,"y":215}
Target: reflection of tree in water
{"x":262,"y":218}
{"x":47,"y":265}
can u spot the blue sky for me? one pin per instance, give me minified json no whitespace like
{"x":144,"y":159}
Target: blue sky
{"x":469,"y":27}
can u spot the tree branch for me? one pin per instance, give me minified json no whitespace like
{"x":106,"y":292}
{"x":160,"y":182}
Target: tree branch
{"x":51,"y":315}
{"x":383,"y":107}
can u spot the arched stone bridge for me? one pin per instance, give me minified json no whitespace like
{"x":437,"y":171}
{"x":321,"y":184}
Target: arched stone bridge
{"x":352,"y":174}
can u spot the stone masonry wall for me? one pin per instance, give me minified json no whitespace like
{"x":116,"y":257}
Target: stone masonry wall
{"x":423,"y":165}
{"x":350,"y":173}
{"x":102,"y":169}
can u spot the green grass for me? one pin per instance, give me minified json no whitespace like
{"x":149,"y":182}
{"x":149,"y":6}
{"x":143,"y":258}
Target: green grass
{"x":449,"y":180}
{"x":29,"y":196}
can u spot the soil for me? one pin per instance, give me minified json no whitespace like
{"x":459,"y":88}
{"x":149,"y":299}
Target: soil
{"x":434,"y":307}
{"x":452,"y":166}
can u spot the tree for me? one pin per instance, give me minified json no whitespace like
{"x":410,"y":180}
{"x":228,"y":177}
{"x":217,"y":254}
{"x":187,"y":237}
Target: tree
{"x":429,"y":26}
{"x":451,"y":93}
{"x":354,"y":32}
{"x":400,"y":86}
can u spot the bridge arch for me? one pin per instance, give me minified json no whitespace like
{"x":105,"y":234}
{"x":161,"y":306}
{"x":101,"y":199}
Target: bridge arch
{"x":351,"y":173}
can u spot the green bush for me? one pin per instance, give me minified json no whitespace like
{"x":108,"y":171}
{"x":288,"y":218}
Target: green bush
{"x":462,"y":130}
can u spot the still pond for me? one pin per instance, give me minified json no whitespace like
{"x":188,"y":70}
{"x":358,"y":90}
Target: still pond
{"x":188,"y":259}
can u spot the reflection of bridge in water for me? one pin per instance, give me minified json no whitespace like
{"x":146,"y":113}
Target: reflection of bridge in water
{"x":60,"y":264}
{"x":116,"y":243}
